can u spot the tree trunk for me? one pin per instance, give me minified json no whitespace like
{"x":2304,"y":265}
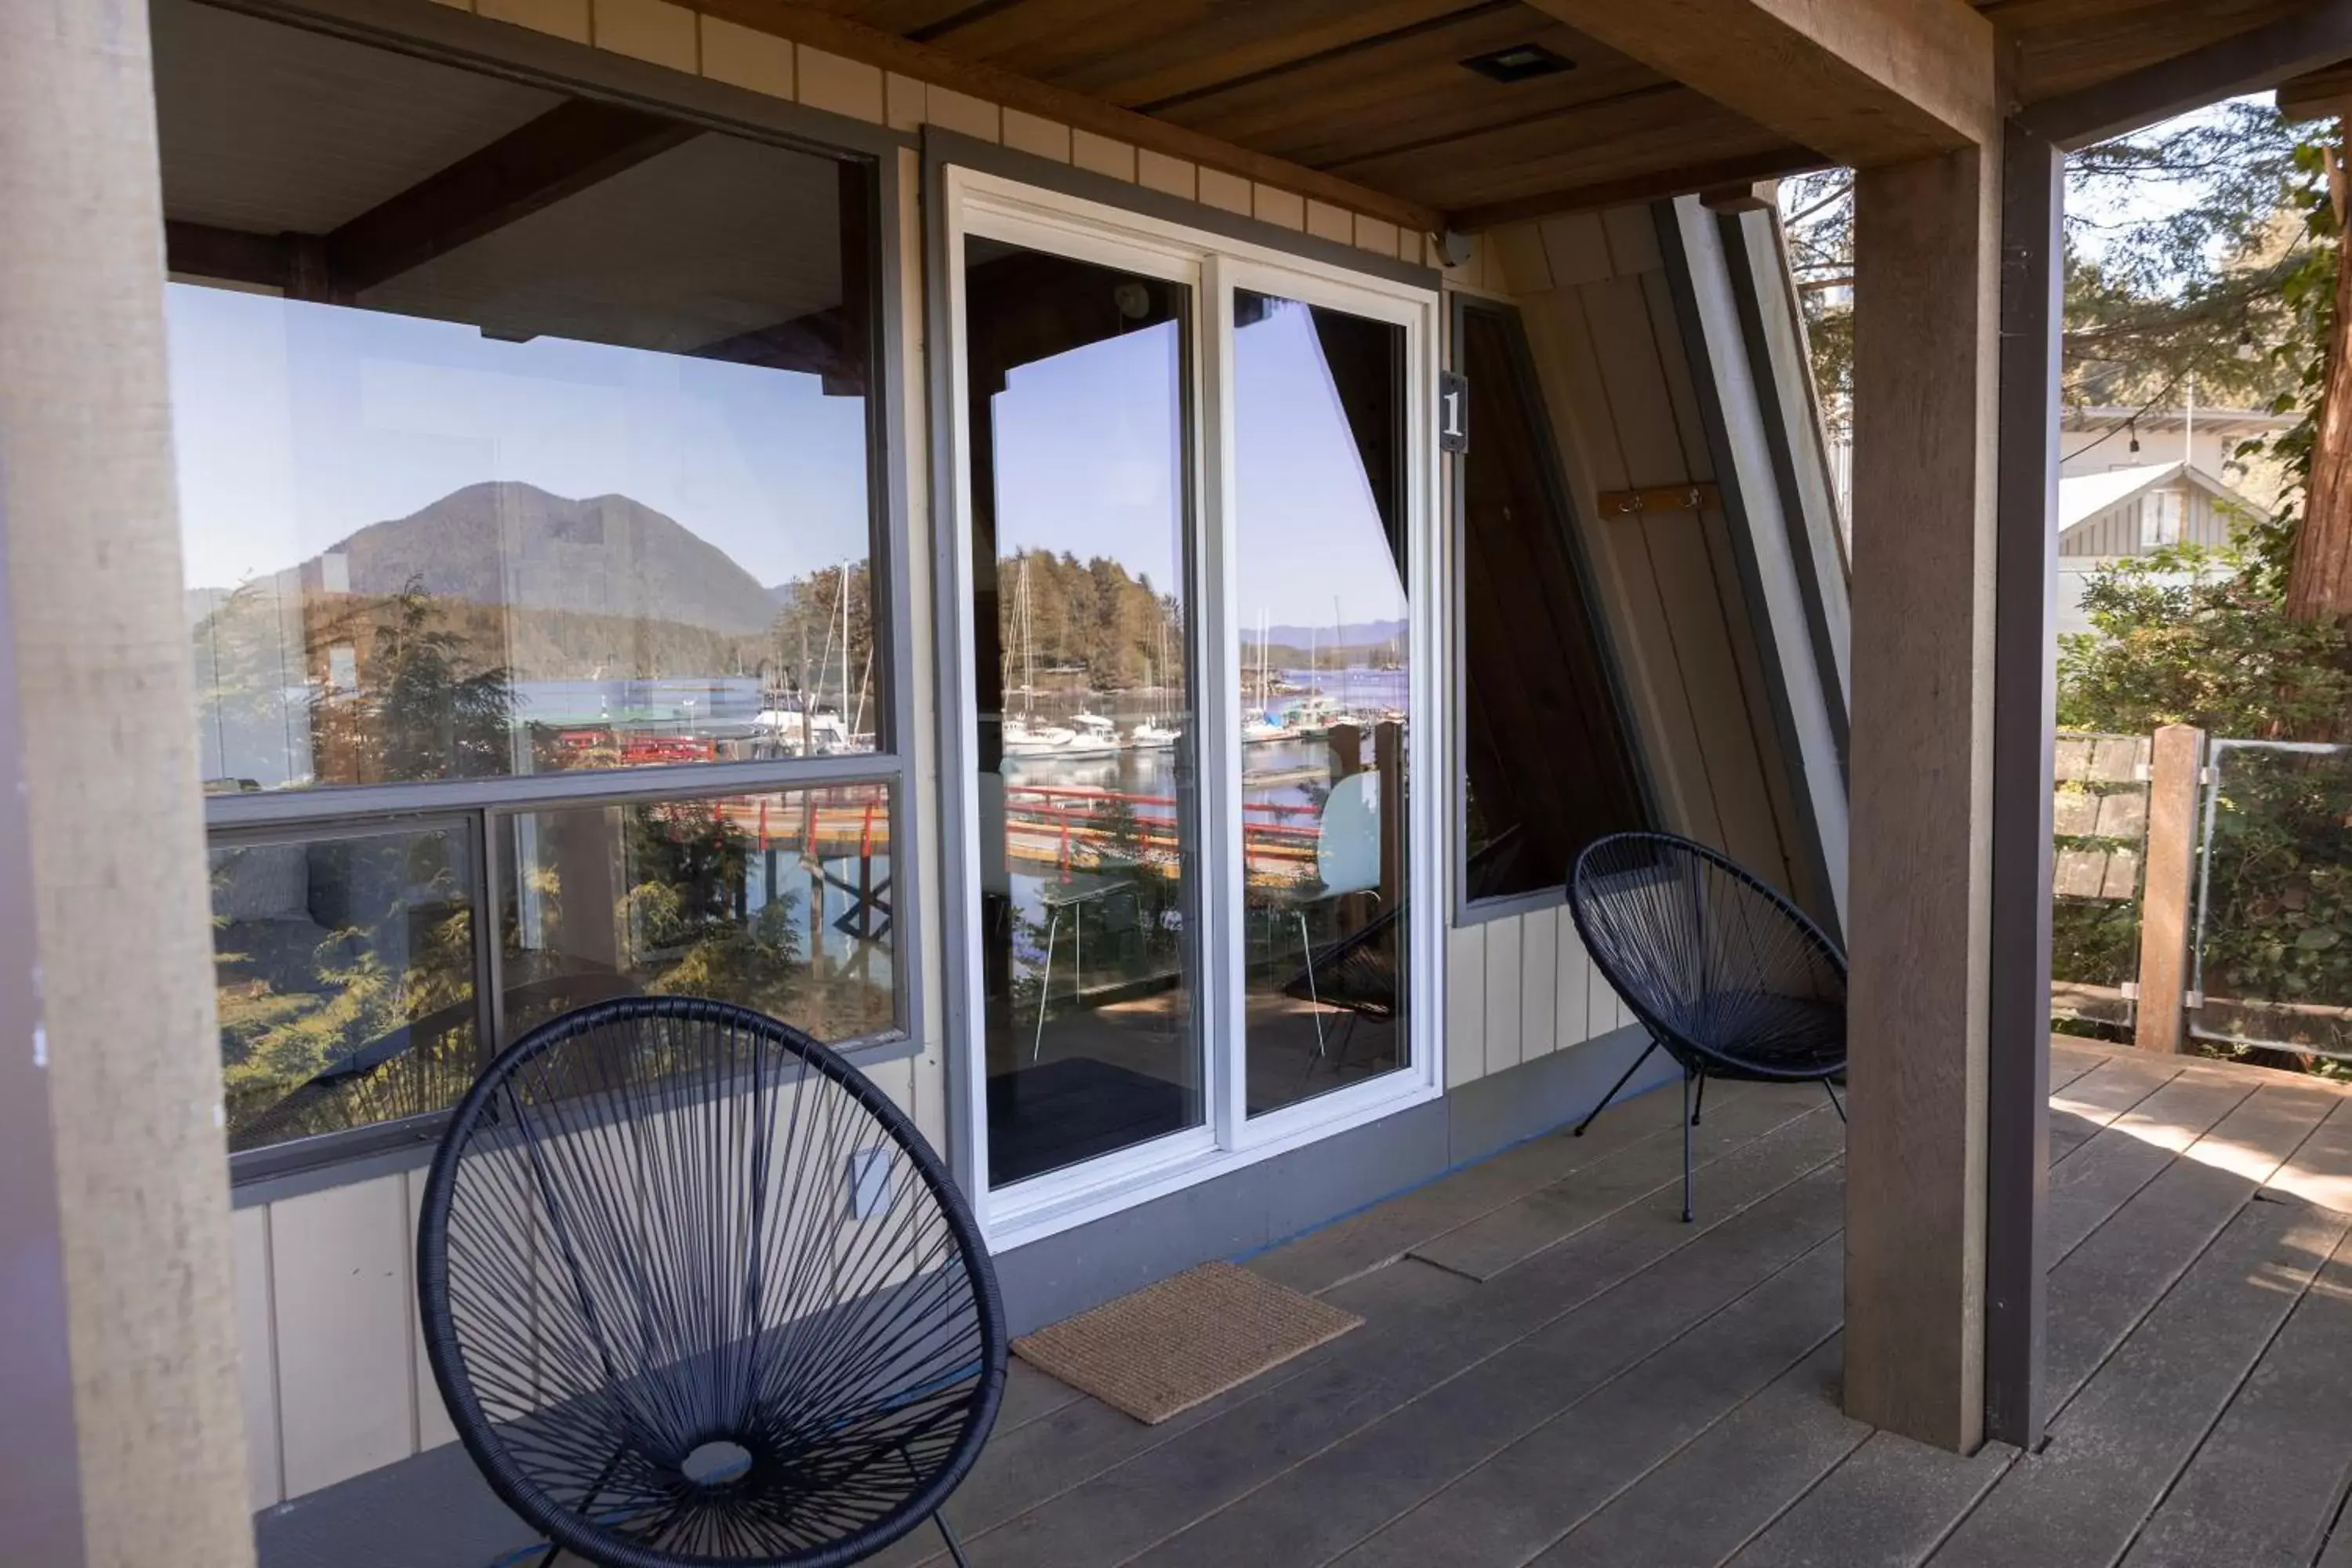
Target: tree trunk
{"x":2319,"y":582}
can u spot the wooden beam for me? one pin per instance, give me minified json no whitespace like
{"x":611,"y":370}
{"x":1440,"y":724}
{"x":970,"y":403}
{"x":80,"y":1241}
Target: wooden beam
{"x":855,"y":40}
{"x":110,"y":1053}
{"x":1925,"y":358}
{"x":578,"y":144}
{"x":1866,"y":82}
{"x":1741,"y":196}
{"x":228,"y":255}
{"x":2245,"y":62}
{"x":2322,"y":94}
{"x":1654,"y":185}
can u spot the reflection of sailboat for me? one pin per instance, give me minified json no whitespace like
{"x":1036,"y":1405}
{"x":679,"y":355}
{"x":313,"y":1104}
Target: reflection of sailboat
{"x":1260,"y":726}
{"x":1095,"y":736}
{"x":1257,"y":728}
{"x":1317,"y":715}
{"x":1023,"y":740}
{"x":1151,"y":734}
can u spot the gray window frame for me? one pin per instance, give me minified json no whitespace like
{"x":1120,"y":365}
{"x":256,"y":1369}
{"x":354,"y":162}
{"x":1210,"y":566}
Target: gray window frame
{"x":1469,"y":911}
{"x":458,"y":39}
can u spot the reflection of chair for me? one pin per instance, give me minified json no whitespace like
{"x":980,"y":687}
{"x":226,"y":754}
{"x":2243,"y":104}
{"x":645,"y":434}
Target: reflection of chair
{"x":697,"y":1293}
{"x":1731,"y":978}
{"x":1347,"y":860}
{"x":1070,"y":898}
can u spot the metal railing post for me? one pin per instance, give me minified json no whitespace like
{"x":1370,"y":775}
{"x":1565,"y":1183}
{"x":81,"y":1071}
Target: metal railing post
{"x":2169,"y":887}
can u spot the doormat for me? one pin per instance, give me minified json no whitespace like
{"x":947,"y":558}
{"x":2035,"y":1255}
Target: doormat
{"x":1164,"y":1349}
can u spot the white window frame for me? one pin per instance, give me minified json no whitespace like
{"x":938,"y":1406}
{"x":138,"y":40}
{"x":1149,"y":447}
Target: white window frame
{"x":981,"y":204}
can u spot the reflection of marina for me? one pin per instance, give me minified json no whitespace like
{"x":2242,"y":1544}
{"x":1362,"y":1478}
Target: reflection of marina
{"x":1073,"y":812}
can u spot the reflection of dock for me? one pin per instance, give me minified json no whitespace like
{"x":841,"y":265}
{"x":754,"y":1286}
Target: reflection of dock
{"x":1058,"y":829}
{"x":1284,"y":778}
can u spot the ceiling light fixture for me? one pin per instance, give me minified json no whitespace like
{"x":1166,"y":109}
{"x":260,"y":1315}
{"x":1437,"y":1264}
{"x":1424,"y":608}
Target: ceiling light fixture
{"x":1520,"y":62}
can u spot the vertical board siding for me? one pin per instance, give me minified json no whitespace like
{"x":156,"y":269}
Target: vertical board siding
{"x":1619,"y":388}
{"x":1465,"y":1003}
{"x":433,"y":1424}
{"x":1579,"y":410}
{"x":257,"y":1353}
{"x":1603,"y":1011}
{"x":1573,"y":974}
{"x":1538,"y":983}
{"x":339,"y":1293}
{"x":1503,"y":999}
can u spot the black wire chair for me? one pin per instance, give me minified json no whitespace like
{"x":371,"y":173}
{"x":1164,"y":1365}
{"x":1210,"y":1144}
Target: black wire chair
{"x":696,"y":1293}
{"x":1732,"y":980}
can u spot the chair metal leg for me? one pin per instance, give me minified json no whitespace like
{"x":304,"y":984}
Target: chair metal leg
{"x":1046,"y":984}
{"x":1623,"y":1079}
{"x":1687,"y":1119}
{"x":955,"y":1547}
{"x":1830,"y":1090}
{"x":1307,"y":946}
{"x":1700,"y":1108}
{"x":587,"y":1504}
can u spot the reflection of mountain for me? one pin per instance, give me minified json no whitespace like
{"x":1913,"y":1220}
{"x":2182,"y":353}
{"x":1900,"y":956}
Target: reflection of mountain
{"x":1355,"y":634}
{"x":515,"y":544}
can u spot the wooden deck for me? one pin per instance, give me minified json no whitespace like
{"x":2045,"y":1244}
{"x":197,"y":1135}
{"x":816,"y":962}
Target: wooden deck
{"x":1555,"y":1371}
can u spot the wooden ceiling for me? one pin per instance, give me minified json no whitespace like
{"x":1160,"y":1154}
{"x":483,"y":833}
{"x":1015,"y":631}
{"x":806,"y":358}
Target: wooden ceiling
{"x":1374,"y":92}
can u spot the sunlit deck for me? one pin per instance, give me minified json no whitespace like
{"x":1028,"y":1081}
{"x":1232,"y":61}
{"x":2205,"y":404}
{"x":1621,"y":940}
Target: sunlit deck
{"x":1554,"y":1370}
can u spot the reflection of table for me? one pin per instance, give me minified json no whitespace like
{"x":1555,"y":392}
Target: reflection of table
{"x":1072,"y":895}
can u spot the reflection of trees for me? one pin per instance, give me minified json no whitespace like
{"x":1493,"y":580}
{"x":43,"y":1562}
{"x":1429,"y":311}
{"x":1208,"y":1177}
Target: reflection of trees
{"x":690,"y":929}
{"x":806,"y":652}
{"x":372,"y":1021}
{"x":249,"y":682}
{"x":1091,"y":616}
{"x":687,"y":928}
{"x":422,"y":708}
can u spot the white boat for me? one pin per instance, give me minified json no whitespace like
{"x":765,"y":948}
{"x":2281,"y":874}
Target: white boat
{"x":1256,"y":727}
{"x":1044,"y":740}
{"x":1150,"y":734}
{"x":1093,"y":736}
{"x":1319,"y":715}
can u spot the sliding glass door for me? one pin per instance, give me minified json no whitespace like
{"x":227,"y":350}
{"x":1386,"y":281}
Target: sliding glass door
{"x":1079,"y":408}
{"x":1189,"y":518}
{"x":1318,"y":524}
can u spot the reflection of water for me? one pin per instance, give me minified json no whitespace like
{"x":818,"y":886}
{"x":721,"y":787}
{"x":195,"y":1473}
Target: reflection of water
{"x":779,"y":873}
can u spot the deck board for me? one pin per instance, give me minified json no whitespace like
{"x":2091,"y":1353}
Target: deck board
{"x":2113,"y":1451}
{"x":1545,"y":1217}
{"x":1555,"y":1371}
{"x":2266,"y":1484}
{"x":1713,"y":1495}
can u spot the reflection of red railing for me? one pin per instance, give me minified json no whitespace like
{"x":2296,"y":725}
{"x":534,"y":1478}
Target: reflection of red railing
{"x":1060,"y":826}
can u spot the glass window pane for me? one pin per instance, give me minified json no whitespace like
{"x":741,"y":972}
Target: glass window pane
{"x":344,"y":973}
{"x":562,"y":468}
{"x":1318,"y":413}
{"x":1080,"y":544}
{"x":1546,"y":766}
{"x":781,"y":902}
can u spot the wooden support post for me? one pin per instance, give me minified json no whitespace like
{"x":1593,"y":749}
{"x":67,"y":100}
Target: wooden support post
{"x":1344,"y":744}
{"x":1388,"y":757}
{"x":1925,"y":356}
{"x":2167,"y":889}
{"x":107,"y":1028}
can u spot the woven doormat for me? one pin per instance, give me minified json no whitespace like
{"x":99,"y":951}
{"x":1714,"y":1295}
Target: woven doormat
{"x":1166,"y":1348}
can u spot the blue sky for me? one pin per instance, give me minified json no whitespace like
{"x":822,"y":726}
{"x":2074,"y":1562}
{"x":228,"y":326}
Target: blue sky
{"x":1086,"y":462}
{"x":297,"y":424}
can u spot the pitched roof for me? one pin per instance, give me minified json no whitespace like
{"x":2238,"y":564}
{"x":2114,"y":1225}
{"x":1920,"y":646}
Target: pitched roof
{"x":2085,"y":496}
